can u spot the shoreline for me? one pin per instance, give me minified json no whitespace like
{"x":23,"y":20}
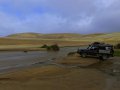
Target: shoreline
{"x":29,"y":48}
{"x":52,"y":77}
{"x":23,"y":49}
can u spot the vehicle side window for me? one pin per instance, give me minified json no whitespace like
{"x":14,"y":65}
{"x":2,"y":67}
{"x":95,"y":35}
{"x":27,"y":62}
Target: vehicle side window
{"x":108,"y":48}
{"x":94,"y":48}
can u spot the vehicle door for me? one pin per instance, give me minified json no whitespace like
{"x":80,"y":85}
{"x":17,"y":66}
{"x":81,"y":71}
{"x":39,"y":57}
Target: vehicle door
{"x":93,"y":50}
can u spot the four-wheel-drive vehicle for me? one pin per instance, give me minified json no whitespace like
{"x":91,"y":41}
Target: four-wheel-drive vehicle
{"x":101,"y":50}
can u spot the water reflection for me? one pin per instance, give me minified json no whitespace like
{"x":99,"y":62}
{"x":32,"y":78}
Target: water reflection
{"x":20,"y":59}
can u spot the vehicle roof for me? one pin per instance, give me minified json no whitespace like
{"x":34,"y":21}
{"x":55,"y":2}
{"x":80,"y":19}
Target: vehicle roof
{"x":102,"y":44}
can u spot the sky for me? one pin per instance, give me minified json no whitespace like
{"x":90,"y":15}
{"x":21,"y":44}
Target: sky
{"x":59,"y":16}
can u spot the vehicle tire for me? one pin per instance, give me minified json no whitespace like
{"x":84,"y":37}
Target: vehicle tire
{"x":84,"y":55}
{"x":104,"y":57}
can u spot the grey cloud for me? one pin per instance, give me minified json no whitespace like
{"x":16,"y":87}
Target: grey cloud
{"x":107,"y":20}
{"x":75,"y":16}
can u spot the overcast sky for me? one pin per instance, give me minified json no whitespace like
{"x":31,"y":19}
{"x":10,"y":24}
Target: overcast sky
{"x":59,"y":16}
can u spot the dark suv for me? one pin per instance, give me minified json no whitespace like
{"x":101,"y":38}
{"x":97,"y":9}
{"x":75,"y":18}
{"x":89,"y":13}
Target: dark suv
{"x":101,"y":50}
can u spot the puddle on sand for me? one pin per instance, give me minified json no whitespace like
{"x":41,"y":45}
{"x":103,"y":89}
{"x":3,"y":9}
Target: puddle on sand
{"x":109,"y":67}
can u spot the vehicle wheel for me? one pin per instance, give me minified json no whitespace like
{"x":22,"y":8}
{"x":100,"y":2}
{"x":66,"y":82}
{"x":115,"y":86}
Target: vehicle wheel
{"x":84,"y":55}
{"x":104,"y":57}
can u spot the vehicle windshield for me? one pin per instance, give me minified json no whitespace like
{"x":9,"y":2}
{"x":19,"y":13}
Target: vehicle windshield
{"x":89,"y":47}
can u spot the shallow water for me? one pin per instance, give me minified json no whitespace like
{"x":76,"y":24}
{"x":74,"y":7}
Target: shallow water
{"x":15,"y":60}
{"x":12,"y":60}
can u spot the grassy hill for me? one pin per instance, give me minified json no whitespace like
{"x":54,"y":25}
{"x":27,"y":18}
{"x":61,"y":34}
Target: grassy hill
{"x":108,"y":37}
{"x":64,"y":39}
{"x":25,"y":35}
{"x":45,"y":36}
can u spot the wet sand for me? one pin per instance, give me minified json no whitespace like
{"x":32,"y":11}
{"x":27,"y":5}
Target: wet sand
{"x":53,"y":78}
{"x":68,"y":73}
{"x":73,"y":73}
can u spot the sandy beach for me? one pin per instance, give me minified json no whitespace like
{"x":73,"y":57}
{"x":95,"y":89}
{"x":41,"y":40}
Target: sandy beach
{"x":69,"y":73}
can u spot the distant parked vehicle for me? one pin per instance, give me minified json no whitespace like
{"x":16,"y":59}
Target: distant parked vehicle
{"x":97,"y":49}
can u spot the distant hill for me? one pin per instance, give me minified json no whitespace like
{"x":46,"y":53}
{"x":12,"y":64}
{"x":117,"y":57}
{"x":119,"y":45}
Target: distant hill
{"x":102,"y":37}
{"x":64,"y":39}
{"x":25,"y":35}
{"x":45,"y":36}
